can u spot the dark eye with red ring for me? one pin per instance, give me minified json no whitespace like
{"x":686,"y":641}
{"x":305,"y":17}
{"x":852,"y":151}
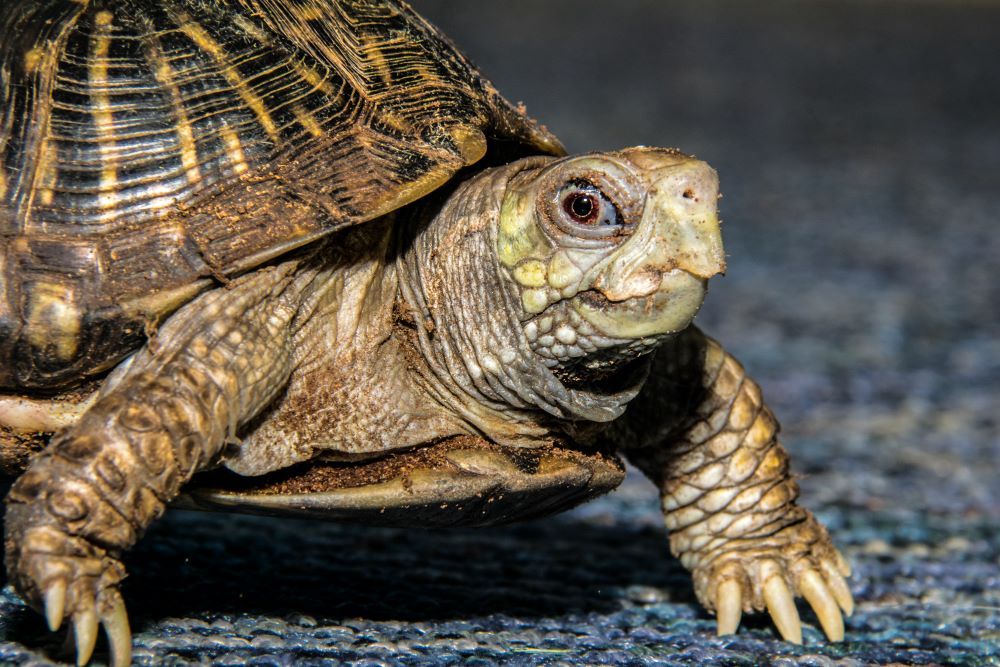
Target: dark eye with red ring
{"x":585,"y":205}
{"x":582,"y":206}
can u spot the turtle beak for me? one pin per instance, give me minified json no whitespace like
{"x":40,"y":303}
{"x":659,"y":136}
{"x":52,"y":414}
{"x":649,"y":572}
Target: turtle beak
{"x":679,"y":228}
{"x":656,"y":281}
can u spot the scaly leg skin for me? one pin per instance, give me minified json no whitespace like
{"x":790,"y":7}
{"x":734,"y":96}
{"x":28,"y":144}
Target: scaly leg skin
{"x":98,"y":485}
{"x":701,"y":432}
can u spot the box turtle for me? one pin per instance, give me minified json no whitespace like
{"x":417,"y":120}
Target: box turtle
{"x":304,"y":244}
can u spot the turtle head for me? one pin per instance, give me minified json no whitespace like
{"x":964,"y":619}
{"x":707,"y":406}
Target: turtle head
{"x":609,"y":252}
{"x":538,"y":283}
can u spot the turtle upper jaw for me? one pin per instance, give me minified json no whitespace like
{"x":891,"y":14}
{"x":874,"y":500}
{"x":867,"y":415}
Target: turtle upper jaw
{"x":667,"y":309}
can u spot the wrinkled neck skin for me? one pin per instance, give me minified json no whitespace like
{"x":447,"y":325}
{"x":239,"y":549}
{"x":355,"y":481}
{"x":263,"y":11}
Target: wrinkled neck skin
{"x":465,"y":312}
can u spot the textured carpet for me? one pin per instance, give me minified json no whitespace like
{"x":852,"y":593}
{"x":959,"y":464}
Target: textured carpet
{"x":858,"y":145}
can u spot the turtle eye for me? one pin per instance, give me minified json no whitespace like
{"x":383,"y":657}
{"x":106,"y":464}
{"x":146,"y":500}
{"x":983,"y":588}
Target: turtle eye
{"x":584,"y":205}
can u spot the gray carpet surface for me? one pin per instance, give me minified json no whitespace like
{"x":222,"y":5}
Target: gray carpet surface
{"x":858,"y":145}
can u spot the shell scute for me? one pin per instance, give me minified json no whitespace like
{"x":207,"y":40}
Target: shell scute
{"x":181,"y":140}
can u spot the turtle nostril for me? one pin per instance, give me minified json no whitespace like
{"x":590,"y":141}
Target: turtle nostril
{"x":689,"y":194}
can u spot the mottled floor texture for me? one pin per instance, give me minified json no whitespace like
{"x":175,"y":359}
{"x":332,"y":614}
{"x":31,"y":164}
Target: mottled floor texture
{"x":859,"y":149}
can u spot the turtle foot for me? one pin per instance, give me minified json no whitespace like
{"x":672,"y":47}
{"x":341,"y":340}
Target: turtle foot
{"x":766,"y":573}
{"x":69,"y":578}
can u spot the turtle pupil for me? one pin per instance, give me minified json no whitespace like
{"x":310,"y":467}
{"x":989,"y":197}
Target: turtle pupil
{"x":581,"y":206}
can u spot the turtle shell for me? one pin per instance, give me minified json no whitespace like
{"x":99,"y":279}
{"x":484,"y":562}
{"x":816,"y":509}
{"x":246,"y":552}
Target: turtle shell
{"x":462,"y":481}
{"x":153,"y":148}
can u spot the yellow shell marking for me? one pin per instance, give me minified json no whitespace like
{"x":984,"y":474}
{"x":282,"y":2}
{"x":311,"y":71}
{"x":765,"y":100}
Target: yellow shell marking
{"x":309,"y":12}
{"x":308,"y":121}
{"x":234,"y":149}
{"x":104,"y":121}
{"x":47,"y":170}
{"x":319,"y":82}
{"x":53,"y":319}
{"x":253,"y":101}
{"x":33,"y":59}
{"x":471,"y":143}
{"x":39,"y":61}
{"x":33,"y":62}
{"x":373,"y":52}
{"x":185,"y":135}
{"x":312,"y":77}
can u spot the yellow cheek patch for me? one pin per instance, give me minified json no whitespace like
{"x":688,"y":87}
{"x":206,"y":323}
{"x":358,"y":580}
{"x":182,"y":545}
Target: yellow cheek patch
{"x":530,"y":273}
{"x":518,"y":237}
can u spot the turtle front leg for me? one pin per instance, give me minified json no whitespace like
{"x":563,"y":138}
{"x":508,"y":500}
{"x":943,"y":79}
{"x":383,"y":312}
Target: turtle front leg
{"x":702,"y":433}
{"x":100,"y":483}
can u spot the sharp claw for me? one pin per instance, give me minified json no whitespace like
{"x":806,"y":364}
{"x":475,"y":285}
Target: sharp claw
{"x":781,"y":606}
{"x":841,"y":593}
{"x":842,"y":565}
{"x":119,"y":635}
{"x":55,"y":604}
{"x":729,"y":606}
{"x":815,"y":591}
{"x":85,"y":630}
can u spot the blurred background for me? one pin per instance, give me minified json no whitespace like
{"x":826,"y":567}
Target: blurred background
{"x":858,"y":145}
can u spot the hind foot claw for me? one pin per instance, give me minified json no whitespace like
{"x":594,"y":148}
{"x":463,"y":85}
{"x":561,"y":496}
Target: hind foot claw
{"x":765,"y":574}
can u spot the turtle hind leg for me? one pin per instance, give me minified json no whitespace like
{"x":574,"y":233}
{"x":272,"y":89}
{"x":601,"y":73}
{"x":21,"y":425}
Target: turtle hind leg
{"x":101,"y":482}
